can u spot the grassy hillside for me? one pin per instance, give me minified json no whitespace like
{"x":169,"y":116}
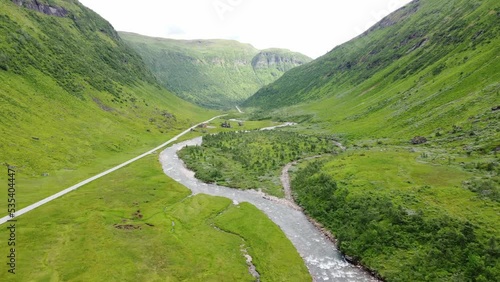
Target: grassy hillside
{"x":74,"y":99}
{"x":212,"y":73}
{"x":430,"y":65}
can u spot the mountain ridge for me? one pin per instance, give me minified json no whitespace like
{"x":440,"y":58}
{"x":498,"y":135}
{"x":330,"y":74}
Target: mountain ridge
{"x":215,"y":73}
{"x":429,"y":52}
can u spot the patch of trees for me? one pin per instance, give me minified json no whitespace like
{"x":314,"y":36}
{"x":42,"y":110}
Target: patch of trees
{"x":251,"y":159}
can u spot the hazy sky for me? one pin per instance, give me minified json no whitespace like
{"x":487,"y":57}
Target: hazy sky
{"x":312,"y":27}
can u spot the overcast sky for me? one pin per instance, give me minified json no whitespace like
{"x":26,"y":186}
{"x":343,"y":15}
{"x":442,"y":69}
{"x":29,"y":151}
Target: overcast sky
{"x":312,"y":27}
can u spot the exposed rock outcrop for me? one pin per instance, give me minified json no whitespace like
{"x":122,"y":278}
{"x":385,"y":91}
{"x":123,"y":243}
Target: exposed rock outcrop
{"x":42,"y":8}
{"x":275,"y":58}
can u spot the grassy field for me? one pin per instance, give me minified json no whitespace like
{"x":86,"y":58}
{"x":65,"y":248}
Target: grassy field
{"x":52,"y":151}
{"x":278,"y":261}
{"x":136,"y":224}
{"x":36,"y":187}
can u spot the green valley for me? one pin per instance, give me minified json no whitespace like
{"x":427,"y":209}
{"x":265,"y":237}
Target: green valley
{"x":75,"y":100}
{"x":394,"y":150}
{"x":212,"y":73}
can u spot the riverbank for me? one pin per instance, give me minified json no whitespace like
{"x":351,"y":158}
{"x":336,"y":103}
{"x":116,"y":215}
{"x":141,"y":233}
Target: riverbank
{"x":285,"y":181}
{"x":324,"y":261}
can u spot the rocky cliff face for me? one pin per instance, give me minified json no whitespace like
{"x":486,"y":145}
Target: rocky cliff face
{"x":42,"y":8}
{"x":274,"y":58}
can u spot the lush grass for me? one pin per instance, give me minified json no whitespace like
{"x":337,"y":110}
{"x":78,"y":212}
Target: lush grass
{"x":273,"y":254}
{"x":79,"y":139}
{"x":75,"y":238}
{"x":405,"y":215}
{"x":212,"y":73}
{"x":251,"y":160}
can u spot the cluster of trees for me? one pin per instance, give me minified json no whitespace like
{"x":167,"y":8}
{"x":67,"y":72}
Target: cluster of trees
{"x":251,"y":159}
{"x":372,"y":228}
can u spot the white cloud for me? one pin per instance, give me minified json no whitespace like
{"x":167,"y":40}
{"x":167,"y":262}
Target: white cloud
{"x":312,"y":27}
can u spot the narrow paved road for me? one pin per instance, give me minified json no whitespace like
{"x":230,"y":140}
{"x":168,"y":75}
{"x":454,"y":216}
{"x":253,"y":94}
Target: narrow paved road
{"x":74,"y":187}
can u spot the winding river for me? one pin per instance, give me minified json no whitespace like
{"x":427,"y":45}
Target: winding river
{"x":324,"y":261}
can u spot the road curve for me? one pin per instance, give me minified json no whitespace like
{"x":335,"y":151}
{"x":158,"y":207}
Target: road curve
{"x":87,"y":181}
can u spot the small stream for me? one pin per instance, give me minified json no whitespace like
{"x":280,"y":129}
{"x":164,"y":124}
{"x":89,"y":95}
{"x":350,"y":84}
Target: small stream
{"x":324,"y":261}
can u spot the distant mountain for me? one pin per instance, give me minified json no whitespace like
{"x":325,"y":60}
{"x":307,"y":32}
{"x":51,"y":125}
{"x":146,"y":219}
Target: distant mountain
{"x":429,"y":65}
{"x":71,"y":91}
{"x":212,"y":73}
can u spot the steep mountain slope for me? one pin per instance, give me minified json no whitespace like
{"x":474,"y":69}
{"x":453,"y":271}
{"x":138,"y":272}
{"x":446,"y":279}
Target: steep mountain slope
{"x":73,"y":95}
{"x":429,"y":65}
{"x":212,"y":73}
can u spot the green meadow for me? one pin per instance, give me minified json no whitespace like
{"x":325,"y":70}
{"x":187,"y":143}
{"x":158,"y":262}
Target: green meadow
{"x":404,"y":215}
{"x":136,"y":224}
